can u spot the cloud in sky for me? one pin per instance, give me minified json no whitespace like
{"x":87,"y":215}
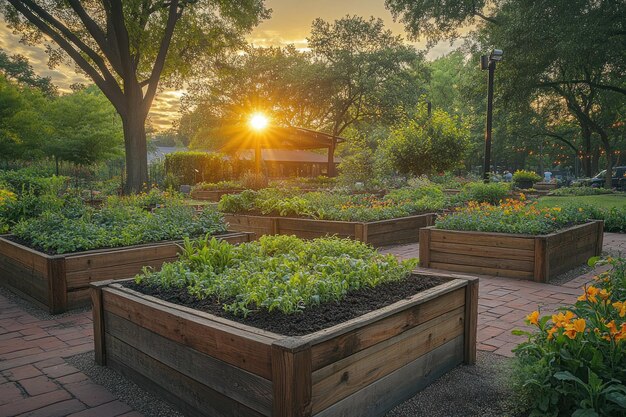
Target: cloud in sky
{"x":290,"y":24}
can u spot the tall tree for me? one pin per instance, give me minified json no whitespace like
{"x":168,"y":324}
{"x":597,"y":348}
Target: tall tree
{"x":23,"y":129}
{"x":374,"y":74}
{"x":85,"y":129}
{"x":127,"y":47}
{"x":573,"y":54}
{"x":17,"y":68}
{"x":283,"y":83}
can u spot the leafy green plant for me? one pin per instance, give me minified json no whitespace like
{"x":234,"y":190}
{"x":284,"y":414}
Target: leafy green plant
{"x":521,"y":177}
{"x":574,"y":362}
{"x":220,"y":185}
{"x":120,"y":222}
{"x":491,"y":193}
{"x":334,"y":205}
{"x":254,"y":181}
{"x":280,"y":273}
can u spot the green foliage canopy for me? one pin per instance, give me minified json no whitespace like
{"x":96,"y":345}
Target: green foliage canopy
{"x":428,"y":144}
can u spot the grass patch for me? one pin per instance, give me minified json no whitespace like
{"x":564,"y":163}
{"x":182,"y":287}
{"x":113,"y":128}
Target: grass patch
{"x":600,"y":201}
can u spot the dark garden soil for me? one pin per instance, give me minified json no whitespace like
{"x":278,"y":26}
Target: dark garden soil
{"x":311,"y":319}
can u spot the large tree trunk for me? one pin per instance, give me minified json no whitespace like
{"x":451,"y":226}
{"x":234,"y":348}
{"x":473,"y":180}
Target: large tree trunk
{"x":136,"y":151}
{"x":586,"y":134}
{"x":608,"y":150}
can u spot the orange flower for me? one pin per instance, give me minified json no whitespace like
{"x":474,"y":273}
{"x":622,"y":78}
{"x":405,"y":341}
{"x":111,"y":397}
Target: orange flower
{"x":612,"y":327}
{"x":590,"y":294}
{"x":604,"y":294}
{"x":577,"y":326}
{"x":561,"y":320}
{"x":551,"y":332}
{"x":620,"y":306}
{"x":533,"y":318}
{"x":621,"y":335}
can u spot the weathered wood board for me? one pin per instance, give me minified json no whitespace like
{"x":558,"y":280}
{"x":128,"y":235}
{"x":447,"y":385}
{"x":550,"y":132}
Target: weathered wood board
{"x":378,"y":233}
{"x":61,"y":282}
{"x":538,"y":258}
{"x":210,"y":366}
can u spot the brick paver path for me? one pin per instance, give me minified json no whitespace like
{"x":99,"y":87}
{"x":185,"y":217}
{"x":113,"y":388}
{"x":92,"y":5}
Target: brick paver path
{"x":36,"y":381}
{"x":504,"y":303}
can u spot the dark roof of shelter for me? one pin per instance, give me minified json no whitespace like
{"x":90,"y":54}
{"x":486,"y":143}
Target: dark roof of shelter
{"x":276,"y":137}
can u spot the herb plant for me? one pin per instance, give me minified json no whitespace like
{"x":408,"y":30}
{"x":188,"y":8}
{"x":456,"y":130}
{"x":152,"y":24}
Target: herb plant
{"x":280,"y":273}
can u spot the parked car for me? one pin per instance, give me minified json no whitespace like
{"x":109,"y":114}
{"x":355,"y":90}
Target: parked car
{"x":618,"y":180}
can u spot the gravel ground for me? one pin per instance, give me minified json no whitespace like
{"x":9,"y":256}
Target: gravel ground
{"x":126,"y":391}
{"x":482,"y":390}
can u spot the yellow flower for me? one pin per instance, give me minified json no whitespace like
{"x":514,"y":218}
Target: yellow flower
{"x":533,"y":318}
{"x":620,"y":306}
{"x":580,"y":209}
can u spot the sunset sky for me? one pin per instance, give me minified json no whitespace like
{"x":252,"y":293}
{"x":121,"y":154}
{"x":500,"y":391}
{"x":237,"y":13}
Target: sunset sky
{"x":290,"y":23}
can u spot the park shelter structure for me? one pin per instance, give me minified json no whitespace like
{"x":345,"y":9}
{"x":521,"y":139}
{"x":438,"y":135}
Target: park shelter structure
{"x":276,"y":146}
{"x":283,"y":163}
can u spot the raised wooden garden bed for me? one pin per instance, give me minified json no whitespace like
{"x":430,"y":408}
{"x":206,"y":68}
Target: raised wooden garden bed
{"x":61,"y":282}
{"x":377,"y":233}
{"x":212,"y":195}
{"x":211,"y":366}
{"x":538,"y":258}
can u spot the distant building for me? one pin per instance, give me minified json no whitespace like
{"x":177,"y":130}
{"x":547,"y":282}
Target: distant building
{"x":279,"y":163}
{"x":160,"y":151}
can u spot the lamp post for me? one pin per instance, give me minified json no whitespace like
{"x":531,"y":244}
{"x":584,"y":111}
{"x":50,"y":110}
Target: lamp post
{"x":488,"y":62}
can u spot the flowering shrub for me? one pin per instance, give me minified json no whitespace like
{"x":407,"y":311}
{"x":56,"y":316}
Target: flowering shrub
{"x":574,"y":362}
{"x":614,"y":217}
{"x":512,"y":216}
{"x":335,"y":206}
{"x":281,"y":273}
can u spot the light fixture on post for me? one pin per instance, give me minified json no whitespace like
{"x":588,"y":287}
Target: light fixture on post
{"x":488,"y":62}
{"x":258,"y":123}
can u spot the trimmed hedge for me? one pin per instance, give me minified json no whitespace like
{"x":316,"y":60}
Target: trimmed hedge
{"x":195,"y":167}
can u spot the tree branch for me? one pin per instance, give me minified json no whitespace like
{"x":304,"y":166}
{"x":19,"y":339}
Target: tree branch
{"x":116,"y":17}
{"x":98,"y":35}
{"x":587,"y":82}
{"x":486,"y":18}
{"x":173,"y":16}
{"x":111,"y":90}
{"x":52,"y":21}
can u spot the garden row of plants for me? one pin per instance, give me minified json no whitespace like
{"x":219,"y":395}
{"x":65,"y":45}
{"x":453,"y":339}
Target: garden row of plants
{"x":45,"y":214}
{"x":574,"y":362}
